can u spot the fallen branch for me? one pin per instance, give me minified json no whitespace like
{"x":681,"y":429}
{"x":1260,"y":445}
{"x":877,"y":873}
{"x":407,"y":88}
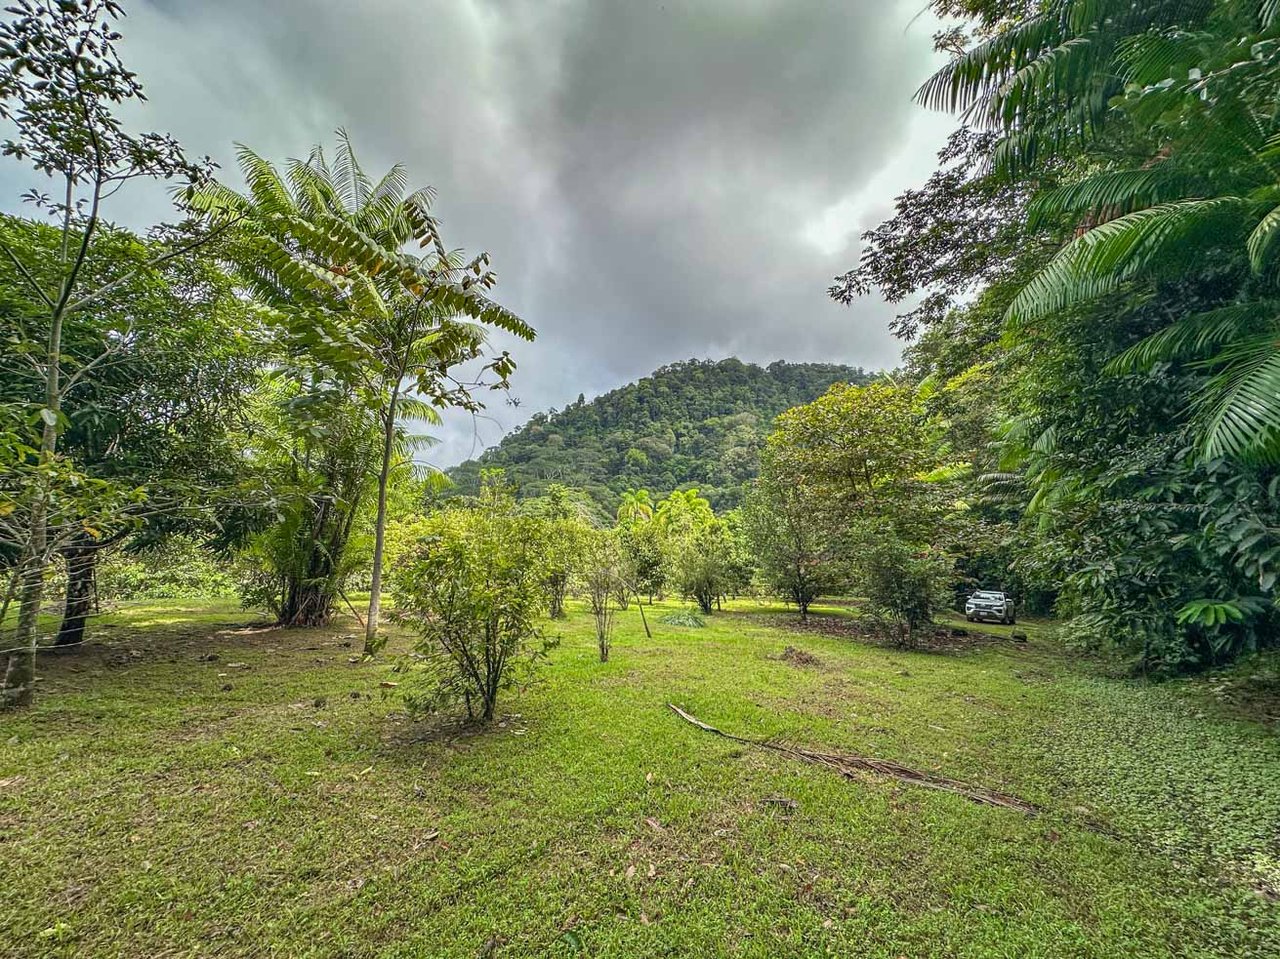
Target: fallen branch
{"x":851,"y":766}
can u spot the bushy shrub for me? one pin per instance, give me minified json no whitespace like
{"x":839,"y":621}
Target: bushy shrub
{"x":702,"y":564}
{"x":683,"y":618}
{"x":176,"y":569}
{"x":904,"y":585}
{"x":474,"y":587}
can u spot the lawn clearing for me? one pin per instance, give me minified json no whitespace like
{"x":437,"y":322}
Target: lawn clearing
{"x":200,"y":785}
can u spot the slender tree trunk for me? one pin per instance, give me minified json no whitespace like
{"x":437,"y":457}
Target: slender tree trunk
{"x":82,"y":564}
{"x":380,"y":524}
{"x":20,"y":669}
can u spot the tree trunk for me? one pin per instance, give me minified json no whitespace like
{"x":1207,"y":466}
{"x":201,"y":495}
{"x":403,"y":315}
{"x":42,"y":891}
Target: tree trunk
{"x":306,"y":604}
{"x":380,"y":525}
{"x":20,"y":668}
{"x":20,"y":662}
{"x":82,"y":565}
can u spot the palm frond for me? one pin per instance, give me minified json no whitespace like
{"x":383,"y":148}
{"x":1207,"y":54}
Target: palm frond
{"x":1240,"y":406}
{"x":1112,"y":193}
{"x":1158,"y":238}
{"x":979,"y":73}
{"x":1155,"y":56}
{"x":1190,"y":338}
{"x":412,"y":408}
{"x":1262,"y":241}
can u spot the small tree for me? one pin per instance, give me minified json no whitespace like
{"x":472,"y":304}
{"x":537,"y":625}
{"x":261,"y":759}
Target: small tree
{"x":904,"y":586}
{"x":603,"y":581}
{"x":322,"y":247}
{"x":474,"y":588}
{"x":641,"y":542}
{"x":703,"y":563}
{"x":565,"y":517}
{"x":791,"y":534}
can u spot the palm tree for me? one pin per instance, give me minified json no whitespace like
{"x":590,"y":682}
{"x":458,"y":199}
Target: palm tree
{"x":323,"y":250}
{"x":1203,"y":77}
{"x":636,"y":507}
{"x":682,"y":510}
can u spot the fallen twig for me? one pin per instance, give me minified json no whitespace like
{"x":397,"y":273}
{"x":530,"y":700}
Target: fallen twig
{"x":850,"y":766}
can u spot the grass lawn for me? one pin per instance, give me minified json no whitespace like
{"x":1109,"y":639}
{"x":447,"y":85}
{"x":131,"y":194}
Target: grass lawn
{"x":276,"y":801}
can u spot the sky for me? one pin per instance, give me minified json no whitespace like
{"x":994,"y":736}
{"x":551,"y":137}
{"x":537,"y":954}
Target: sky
{"x":654,"y":180}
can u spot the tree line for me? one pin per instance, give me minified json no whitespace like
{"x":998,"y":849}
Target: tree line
{"x":1092,"y":279}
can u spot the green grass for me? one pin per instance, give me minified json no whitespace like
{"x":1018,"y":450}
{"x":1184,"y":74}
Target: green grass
{"x":276,"y":801}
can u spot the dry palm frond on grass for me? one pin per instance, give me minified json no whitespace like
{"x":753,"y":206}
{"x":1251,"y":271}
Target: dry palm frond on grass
{"x":851,"y":766}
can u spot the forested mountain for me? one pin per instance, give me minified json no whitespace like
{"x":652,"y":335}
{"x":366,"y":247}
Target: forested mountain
{"x":699,"y":423}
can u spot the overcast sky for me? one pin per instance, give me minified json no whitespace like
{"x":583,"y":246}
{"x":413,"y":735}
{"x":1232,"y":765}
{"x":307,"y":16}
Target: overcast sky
{"x":654,"y":180}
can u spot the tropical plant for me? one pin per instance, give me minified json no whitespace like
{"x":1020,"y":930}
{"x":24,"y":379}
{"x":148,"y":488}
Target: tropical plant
{"x":792,"y":536}
{"x":904,"y":585}
{"x":308,"y":483}
{"x":636,"y":507}
{"x":323,"y":249}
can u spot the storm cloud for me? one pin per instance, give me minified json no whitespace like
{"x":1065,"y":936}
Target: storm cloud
{"x":654,"y":180}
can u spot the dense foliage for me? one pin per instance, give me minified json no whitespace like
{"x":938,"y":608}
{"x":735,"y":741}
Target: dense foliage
{"x":1113,"y":199}
{"x":698,"y":423}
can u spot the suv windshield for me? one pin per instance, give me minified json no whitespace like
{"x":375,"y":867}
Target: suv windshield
{"x":981,"y":594}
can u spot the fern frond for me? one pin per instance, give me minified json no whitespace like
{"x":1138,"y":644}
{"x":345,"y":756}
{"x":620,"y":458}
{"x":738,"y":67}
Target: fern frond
{"x":267,"y":190}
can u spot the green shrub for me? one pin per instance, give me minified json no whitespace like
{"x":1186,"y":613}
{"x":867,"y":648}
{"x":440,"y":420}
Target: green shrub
{"x":176,"y":569}
{"x":683,"y":618}
{"x":474,"y":587}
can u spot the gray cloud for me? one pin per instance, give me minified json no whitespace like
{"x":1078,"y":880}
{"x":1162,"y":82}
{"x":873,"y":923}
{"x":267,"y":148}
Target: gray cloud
{"x":654,"y":180}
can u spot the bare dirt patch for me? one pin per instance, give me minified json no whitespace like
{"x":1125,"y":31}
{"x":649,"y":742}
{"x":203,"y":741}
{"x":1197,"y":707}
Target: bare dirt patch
{"x":931,"y":639}
{"x":797,"y":657}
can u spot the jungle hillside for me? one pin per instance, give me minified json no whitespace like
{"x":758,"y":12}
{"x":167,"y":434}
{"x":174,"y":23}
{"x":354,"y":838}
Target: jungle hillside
{"x":695,"y":424}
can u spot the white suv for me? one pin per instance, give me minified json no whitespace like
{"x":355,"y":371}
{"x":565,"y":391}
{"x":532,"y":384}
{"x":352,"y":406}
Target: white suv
{"x":988,"y":605}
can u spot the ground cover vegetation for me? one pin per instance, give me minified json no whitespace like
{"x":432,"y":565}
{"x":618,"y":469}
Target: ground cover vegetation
{"x":208,"y":482}
{"x":590,"y":820}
